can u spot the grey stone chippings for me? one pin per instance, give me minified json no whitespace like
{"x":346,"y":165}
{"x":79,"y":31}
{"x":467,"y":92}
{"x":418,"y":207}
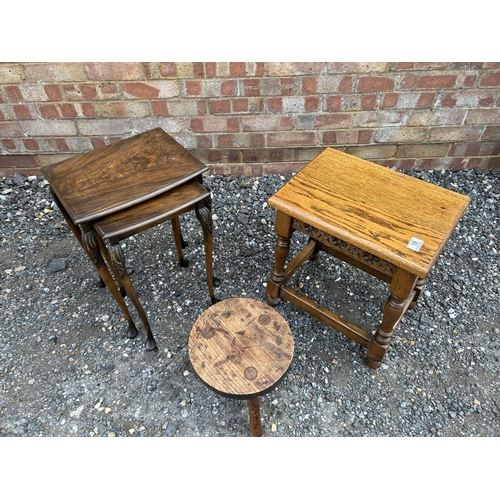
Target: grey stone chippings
{"x":68,"y":369}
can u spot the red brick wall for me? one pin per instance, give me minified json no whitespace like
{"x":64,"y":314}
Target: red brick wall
{"x":253,"y":118}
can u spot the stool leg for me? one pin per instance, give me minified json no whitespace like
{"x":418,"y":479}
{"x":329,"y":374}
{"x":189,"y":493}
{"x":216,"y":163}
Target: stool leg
{"x":255,"y":421}
{"x":179,"y":242}
{"x":419,"y":288}
{"x":401,"y":289}
{"x":118,"y":261}
{"x":284,"y":231}
{"x":91,"y":246}
{"x":204,"y":215}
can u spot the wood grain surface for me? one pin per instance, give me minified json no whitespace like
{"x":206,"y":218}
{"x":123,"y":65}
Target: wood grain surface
{"x":373,"y":207}
{"x":109,"y":179}
{"x":241,"y":348}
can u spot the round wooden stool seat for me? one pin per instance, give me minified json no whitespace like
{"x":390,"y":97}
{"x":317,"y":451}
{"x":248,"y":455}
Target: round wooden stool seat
{"x":241,"y":348}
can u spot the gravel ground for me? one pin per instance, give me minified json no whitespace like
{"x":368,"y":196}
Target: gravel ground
{"x":68,"y":369}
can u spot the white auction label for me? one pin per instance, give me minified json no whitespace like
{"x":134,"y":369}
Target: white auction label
{"x":415,"y":244}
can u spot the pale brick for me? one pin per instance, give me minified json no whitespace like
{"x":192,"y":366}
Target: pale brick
{"x":11,"y":73}
{"x":293,"y":104}
{"x":265,"y":123}
{"x":427,"y":117}
{"x":372,"y":152}
{"x":55,"y":72}
{"x":7,"y":110}
{"x":211,"y":88}
{"x":400,"y":135}
{"x":104,"y":127}
{"x":51,"y":128}
{"x":357,"y":67}
{"x":114,"y":71}
{"x":122,"y":109}
{"x":422,"y":150}
{"x":170,"y":125}
{"x":329,"y":84}
{"x":183,"y":107}
{"x":269,"y":86}
{"x":380,"y":119}
{"x":294,"y":68}
{"x":33,"y":92}
{"x":463,"y":133}
{"x":486,"y":116}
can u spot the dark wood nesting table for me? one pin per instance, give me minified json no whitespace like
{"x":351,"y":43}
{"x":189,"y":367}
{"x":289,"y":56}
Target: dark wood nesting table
{"x":120,"y":188}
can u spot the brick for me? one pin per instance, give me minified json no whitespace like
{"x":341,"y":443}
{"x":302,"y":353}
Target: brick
{"x":333,"y":103}
{"x":251,"y":87}
{"x":108,"y":90}
{"x":452,"y":134}
{"x":49,"y":111}
{"x":266,"y":123}
{"x":9,"y":145}
{"x":487,"y":116}
{"x":23,"y":112}
{"x":211,"y":69}
{"x":309,"y":85}
{"x":369,"y":102}
{"x":284,"y":168}
{"x":11,"y":73}
{"x":86,"y":110}
{"x":311,"y":103}
{"x":114,"y":71}
{"x":431,"y":65}
{"x":491,"y":133}
{"x":332,"y":120}
{"x":103,"y":127}
{"x":291,"y":138}
{"x":169,"y":124}
{"x":422,"y":150}
{"x":237,"y":69}
{"x":372,"y":152}
{"x":248,"y":105}
{"x":160,"y":108}
{"x":398,"y":135}
{"x":193,"y":87}
{"x":491,"y":148}
{"x":79,"y":92}
{"x":469,"y":99}
{"x":380,"y":118}
{"x":214,"y":124}
{"x":291,"y":68}
{"x":228,"y":88}
{"x":31,"y":145}
{"x":265,"y":86}
{"x":426,"y":100}
{"x":330,"y":84}
{"x":220,"y":106}
{"x":13,"y":93}
{"x":189,"y":70}
{"x":168,"y":70}
{"x":68,"y":110}
{"x":55,"y":72}
{"x":427,"y":117}
{"x":288,"y":86}
{"x":53,"y":92}
{"x":121,"y":109}
{"x":436,"y":81}
{"x":375,"y":83}
{"x":357,"y":67}
{"x":490,"y":80}
{"x":33,"y":93}
{"x":401,"y":66}
{"x":97,"y":142}
{"x":351,"y":136}
{"x":141,"y":90}
{"x":50,"y":128}
{"x":408,"y":82}
{"x":10,"y":129}
{"x":238,"y":140}
{"x":18,"y":161}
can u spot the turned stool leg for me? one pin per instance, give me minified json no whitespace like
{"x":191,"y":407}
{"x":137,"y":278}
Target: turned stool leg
{"x":284,"y":231}
{"x":401,"y":289}
{"x":255,"y":421}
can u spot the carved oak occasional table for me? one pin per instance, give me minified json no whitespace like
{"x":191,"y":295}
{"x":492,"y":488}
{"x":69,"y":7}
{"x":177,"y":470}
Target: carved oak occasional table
{"x":92,"y":186}
{"x":383,"y":222}
{"x":241,"y":348}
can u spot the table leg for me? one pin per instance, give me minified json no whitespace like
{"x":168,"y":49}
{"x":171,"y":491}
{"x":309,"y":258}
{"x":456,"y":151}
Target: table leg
{"x":204,"y":215}
{"x":284,"y":231}
{"x":401,"y":293}
{"x":117,"y":260}
{"x":179,"y":242}
{"x":91,"y":246}
{"x":419,"y":288}
{"x":255,"y":421}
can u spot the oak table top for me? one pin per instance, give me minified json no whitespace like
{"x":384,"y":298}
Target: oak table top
{"x":241,"y":348}
{"x":404,"y":220}
{"x":110,"y":179}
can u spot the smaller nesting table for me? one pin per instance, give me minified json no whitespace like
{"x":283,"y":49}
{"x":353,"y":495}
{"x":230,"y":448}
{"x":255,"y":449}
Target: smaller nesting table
{"x":241,"y":349}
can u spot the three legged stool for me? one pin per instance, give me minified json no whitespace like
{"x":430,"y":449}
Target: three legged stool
{"x":383,"y":222}
{"x":241,"y":348}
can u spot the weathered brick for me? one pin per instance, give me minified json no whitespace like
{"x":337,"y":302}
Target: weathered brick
{"x":121,"y":109}
{"x":490,"y":80}
{"x":79,"y":92}
{"x":219,"y":106}
{"x":114,"y":71}
{"x":357,"y":67}
{"x":292,"y":138}
{"x":53,"y":92}
{"x":17,"y":161}
{"x":9,"y":145}
{"x":491,"y":133}
{"x":171,"y":125}
{"x":265,"y":123}
{"x":427,"y":117}
{"x":31,"y":145}
{"x":10,"y":129}
{"x":33,"y":93}
{"x":422,"y":150}
{"x":49,"y":111}
{"x":331,"y":120}
{"x":372,"y":152}
{"x":375,"y":83}
{"x":55,"y":72}
{"x":251,"y":87}
{"x":140,"y":89}
{"x":22,"y":112}
{"x":351,"y":136}
{"x":291,"y":68}
{"x":100,"y":127}
{"x":380,"y":118}
{"x":401,"y":135}
{"x":14,"y":94}
{"x":284,"y":168}
{"x":237,"y":69}
{"x":488,"y":116}
{"x":11,"y":73}
{"x":309,"y":85}
{"x":248,"y":105}
{"x":452,"y":134}
{"x":441,"y":81}
{"x":483,"y":148}
{"x":214,"y":124}
{"x":168,"y":70}
{"x":51,"y":128}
